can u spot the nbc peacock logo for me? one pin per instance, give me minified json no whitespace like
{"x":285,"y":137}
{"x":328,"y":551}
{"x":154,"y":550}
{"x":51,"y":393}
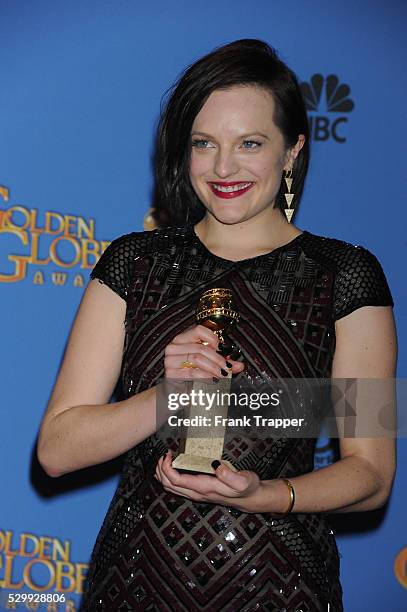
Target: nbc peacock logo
{"x":326,"y":100}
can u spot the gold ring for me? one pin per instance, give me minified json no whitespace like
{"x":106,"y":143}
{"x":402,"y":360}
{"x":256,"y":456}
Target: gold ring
{"x":188,"y":364}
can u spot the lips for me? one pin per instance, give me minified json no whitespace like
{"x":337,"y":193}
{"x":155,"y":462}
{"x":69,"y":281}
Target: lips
{"x":227,"y":190}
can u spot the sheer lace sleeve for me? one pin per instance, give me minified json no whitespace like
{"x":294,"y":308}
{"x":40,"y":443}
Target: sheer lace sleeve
{"x":360,"y":281}
{"x":113,"y":268}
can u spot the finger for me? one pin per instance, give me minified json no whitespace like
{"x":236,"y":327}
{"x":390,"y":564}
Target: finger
{"x":212,"y":488}
{"x":222,"y":494}
{"x":198,"y":333}
{"x":211,"y":363}
{"x":169,"y":473}
{"x":169,"y":478}
{"x":198,"y":483}
{"x":184,"y":493}
{"x":204,"y":357}
{"x":162,"y":472}
{"x":237,"y":366}
{"x":159,"y":465}
{"x":204,"y":369}
{"x":238,"y":481}
{"x":158,"y":469}
{"x":201,"y":483}
{"x":188,"y":347}
{"x":189,"y":374}
{"x":227,"y":484}
{"x":199,"y":487}
{"x":199,"y":354}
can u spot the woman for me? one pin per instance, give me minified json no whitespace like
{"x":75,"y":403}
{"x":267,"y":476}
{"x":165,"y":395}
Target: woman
{"x":234,"y":129}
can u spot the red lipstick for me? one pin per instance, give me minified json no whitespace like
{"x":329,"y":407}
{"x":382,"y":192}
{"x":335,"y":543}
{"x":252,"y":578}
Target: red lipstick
{"x":230,"y":189}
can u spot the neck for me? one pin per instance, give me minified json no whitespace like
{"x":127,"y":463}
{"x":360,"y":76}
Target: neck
{"x":250,"y":238}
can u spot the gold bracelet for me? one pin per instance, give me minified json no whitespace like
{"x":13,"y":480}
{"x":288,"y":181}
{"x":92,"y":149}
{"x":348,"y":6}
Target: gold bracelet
{"x":292,"y":497}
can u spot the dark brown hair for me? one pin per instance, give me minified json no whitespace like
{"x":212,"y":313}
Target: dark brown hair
{"x":243,"y":62}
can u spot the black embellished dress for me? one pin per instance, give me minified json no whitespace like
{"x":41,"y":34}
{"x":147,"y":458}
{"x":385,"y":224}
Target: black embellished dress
{"x":157,"y":551}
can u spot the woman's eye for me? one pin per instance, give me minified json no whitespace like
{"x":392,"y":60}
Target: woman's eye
{"x":200,"y":144}
{"x":251,"y":144}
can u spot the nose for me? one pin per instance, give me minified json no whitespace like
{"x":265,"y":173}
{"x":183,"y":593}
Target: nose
{"x":225,"y":163}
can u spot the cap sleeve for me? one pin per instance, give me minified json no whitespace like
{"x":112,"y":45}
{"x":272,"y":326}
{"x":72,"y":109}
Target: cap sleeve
{"x":360,"y":281}
{"x":113,"y":267}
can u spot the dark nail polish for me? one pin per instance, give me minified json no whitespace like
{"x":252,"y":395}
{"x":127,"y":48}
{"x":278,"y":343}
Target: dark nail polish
{"x":235,"y":354}
{"x":215,"y":464}
{"x":215,"y":380}
{"x":229,"y":365}
{"x":224,"y":348}
{"x":224,"y":373}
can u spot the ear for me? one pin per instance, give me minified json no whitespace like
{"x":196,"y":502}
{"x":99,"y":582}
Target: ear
{"x":293,"y":152}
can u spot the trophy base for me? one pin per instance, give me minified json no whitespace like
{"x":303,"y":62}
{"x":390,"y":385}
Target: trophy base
{"x":195,"y":463}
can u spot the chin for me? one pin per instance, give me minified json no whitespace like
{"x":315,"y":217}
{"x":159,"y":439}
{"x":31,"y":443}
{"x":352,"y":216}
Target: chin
{"x":229,"y":219}
{"x":227,"y":214}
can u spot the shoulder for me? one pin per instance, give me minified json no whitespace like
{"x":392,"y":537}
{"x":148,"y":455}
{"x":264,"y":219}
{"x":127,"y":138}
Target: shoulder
{"x":338,"y":255}
{"x":115,"y":264}
{"x":334,"y":253}
{"x":359,"y":279}
{"x":138,"y":243}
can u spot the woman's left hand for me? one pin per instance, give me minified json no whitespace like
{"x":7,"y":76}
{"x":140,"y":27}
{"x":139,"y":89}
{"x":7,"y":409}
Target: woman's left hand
{"x":241,"y":490}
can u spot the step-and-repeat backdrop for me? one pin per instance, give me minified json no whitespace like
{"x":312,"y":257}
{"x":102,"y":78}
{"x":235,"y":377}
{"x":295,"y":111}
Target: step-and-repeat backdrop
{"x":81,"y":84}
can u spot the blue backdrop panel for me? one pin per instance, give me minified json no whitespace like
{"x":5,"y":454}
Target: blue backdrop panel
{"x":81,"y":84}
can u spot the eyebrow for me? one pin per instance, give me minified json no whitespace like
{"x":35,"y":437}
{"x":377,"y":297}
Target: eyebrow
{"x":195,"y":133}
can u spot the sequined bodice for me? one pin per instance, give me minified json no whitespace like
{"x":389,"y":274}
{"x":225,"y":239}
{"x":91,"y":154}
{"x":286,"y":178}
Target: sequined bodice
{"x":159,"y":551}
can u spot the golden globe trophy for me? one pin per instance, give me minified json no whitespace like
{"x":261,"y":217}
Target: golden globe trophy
{"x":216,"y":311}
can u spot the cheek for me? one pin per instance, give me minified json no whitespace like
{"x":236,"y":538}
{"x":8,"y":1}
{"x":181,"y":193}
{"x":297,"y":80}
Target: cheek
{"x":198,"y":166}
{"x":265,"y":168}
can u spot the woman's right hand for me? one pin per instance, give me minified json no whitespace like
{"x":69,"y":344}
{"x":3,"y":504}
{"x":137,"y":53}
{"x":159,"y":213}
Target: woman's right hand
{"x":197,"y":345}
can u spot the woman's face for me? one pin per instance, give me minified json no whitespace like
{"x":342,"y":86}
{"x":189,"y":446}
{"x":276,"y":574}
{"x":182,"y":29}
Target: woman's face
{"x":238,"y":154}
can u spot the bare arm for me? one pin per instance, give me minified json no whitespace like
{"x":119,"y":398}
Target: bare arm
{"x":360,"y":480}
{"x":366,"y":347}
{"x":80,"y":428}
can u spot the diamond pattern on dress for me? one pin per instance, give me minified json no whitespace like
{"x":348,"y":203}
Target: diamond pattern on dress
{"x":158,"y":551}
